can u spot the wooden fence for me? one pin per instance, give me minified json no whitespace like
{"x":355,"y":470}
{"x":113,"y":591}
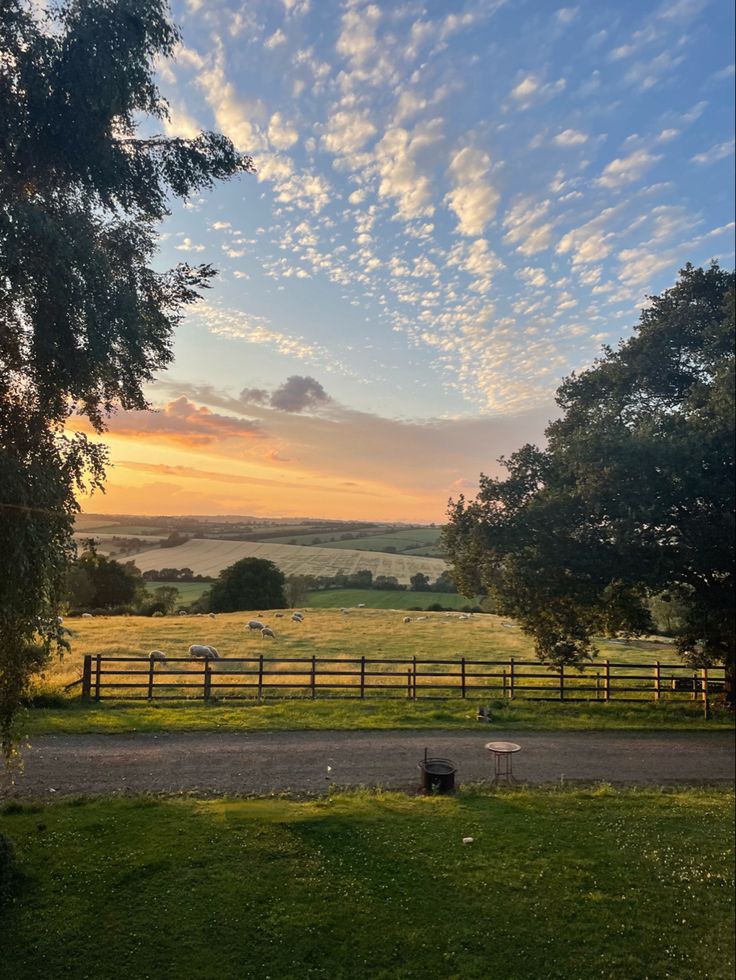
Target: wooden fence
{"x":137,"y":678}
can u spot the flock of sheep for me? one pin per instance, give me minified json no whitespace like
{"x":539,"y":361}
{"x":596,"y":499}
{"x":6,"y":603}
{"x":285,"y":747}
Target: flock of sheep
{"x":200,"y":651}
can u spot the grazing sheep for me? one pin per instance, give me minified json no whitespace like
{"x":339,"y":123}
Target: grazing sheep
{"x":464,"y":616}
{"x":182,"y":612}
{"x":267,"y":631}
{"x":254,"y":624}
{"x":86,"y":615}
{"x":199,"y":652}
{"x":212,"y":616}
{"x":407,"y":619}
{"x":345,"y":612}
{"x":361,"y":605}
{"x":421,"y":619}
{"x":278,"y":615}
{"x":507,"y":626}
{"x":157,"y":656}
{"x":297,"y":617}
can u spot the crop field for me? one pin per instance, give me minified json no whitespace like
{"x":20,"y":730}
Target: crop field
{"x":554,"y":884}
{"x":210,"y":556}
{"x":383,"y":599}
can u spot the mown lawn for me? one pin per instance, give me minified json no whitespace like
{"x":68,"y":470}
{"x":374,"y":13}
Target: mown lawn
{"x":579,"y":884}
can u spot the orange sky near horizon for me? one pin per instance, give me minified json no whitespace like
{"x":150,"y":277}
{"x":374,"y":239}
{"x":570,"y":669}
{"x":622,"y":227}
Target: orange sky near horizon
{"x":324,"y":460}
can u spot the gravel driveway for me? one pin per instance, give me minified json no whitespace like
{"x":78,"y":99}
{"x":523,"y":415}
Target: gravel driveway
{"x":297,"y":763}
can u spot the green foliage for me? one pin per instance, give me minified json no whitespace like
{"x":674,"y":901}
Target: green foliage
{"x":251,"y":583}
{"x":633,"y":495}
{"x":97,"y":582}
{"x":86,"y":318}
{"x":296,"y":589}
{"x":419,"y":582}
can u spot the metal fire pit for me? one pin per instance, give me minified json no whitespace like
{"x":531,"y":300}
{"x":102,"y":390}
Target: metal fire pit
{"x":438,"y":776}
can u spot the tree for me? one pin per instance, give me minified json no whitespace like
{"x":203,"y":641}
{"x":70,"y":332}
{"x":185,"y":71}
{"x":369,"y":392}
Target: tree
{"x":166,"y":596}
{"x":444,"y":583}
{"x":296,"y":590}
{"x":86,"y":319}
{"x":112,"y":583}
{"x":251,"y":583}
{"x":419,"y":582}
{"x":633,"y":495}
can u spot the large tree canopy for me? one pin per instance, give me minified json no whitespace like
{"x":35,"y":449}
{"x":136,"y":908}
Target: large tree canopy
{"x":633,"y":496}
{"x":85,"y":318}
{"x":251,"y":583}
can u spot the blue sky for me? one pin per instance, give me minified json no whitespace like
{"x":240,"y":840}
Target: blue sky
{"x":457,"y":204}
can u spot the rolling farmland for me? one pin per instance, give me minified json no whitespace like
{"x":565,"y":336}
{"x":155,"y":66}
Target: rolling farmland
{"x":208,"y":556}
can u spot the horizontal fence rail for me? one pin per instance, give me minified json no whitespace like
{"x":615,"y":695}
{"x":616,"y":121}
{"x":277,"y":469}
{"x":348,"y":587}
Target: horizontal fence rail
{"x":259,"y":678}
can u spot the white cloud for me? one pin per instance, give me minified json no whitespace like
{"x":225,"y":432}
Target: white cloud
{"x":347,"y":132}
{"x":187,"y":245}
{"x":473,"y":199}
{"x":718,"y":152}
{"x":524,"y":227}
{"x":235,"y":116}
{"x":357,"y":41}
{"x":532,"y":277}
{"x":566,"y":15}
{"x":571,"y":137}
{"x":278,"y":37}
{"x":396,"y":159}
{"x":181,"y":124}
{"x":624,"y":170}
{"x":281,"y":134}
{"x":531,"y":89}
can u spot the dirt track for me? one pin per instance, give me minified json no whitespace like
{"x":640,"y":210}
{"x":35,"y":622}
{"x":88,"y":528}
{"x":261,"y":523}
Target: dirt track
{"x":297,"y":762}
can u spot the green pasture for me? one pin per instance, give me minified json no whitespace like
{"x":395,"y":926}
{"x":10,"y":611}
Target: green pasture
{"x":326,"y":633}
{"x":555,"y":884}
{"x":188,"y":591}
{"x":383,"y":599}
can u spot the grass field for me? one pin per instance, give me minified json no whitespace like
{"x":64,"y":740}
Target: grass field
{"x":326,"y":633}
{"x":188,"y":591}
{"x":207,"y":556}
{"x":383,"y":599}
{"x":579,"y":884}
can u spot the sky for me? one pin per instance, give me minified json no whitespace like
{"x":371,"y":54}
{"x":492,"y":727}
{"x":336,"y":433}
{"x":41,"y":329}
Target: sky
{"x":456,"y":205}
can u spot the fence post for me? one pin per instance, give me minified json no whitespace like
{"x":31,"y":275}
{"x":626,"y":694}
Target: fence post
{"x":608,"y":681}
{"x":462,"y":678}
{"x":260,"y":677}
{"x":98,"y":663}
{"x":562,"y":682}
{"x":597,"y":685}
{"x":87,"y":676}
{"x":207,"y":680}
{"x":151,"y":666}
{"x":414,"y":678}
{"x":695,"y":686}
{"x":511,"y":678}
{"x":503,"y":690}
{"x":657,"y":681}
{"x":313,"y":678}
{"x":362,"y":677}
{"x":408,"y":682}
{"x":704,"y":676}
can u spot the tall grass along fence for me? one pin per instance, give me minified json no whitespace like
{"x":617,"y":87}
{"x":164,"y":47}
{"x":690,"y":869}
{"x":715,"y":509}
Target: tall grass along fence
{"x":312,"y":677}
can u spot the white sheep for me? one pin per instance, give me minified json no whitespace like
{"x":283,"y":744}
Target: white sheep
{"x":463,"y":616}
{"x":267,"y":631}
{"x":182,"y":612}
{"x":157,"y":656}
{"x":421,"y":619}
{"x":407,"y":619}
{"x":361,"y":605}
{"x":254,"y":624}
{"x":86,"y":615}
{"x":297,"y":617}
{"x":345,"y":612}
{"x":212,"y":616}
{"x":199,"y":652}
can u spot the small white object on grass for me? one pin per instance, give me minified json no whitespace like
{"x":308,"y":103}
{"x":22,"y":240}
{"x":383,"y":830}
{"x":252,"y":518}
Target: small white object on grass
{"x":468,"y":840}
